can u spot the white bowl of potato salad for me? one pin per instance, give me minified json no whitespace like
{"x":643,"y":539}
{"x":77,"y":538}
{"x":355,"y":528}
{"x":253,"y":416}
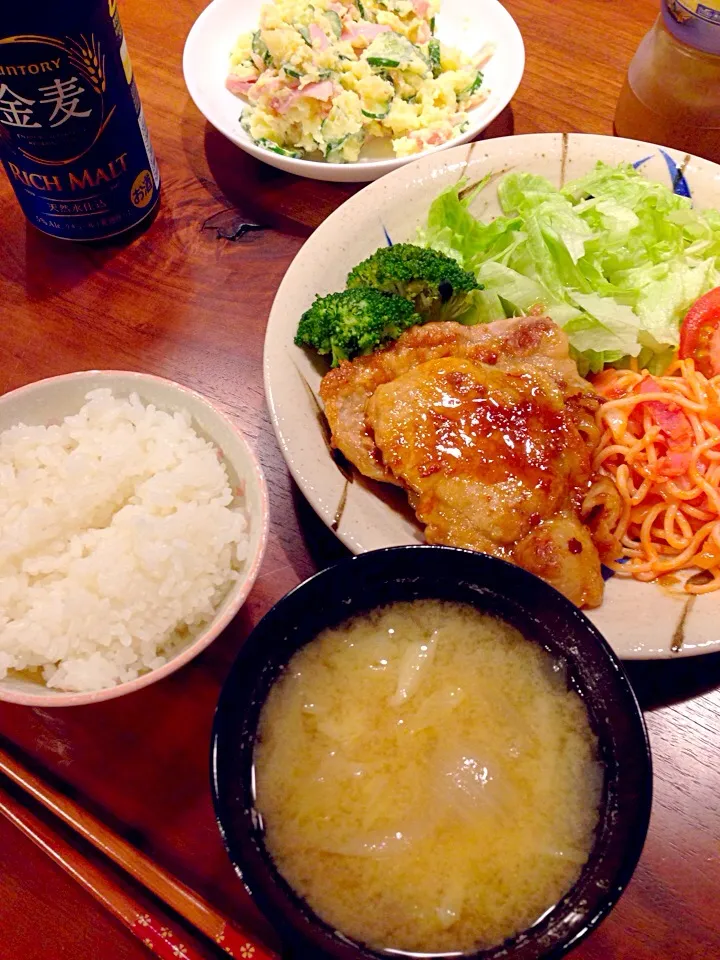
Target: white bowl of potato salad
{"x":348,"y":90}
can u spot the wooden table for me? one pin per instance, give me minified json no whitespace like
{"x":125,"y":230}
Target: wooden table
{"x":179,"y":302}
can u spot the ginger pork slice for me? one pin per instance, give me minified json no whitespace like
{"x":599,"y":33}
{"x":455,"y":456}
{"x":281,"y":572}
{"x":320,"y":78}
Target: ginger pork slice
{"x":346,"y":390}
{"x":496,"y":460}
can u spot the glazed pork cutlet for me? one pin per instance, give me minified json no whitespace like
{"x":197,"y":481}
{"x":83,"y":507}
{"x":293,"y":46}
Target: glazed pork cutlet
{"x":491,"y":431}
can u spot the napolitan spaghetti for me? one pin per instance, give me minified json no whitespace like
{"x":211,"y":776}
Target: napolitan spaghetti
{"x":660,"y":445}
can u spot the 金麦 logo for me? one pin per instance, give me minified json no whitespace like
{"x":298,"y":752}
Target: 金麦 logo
{"x":52,"y":96}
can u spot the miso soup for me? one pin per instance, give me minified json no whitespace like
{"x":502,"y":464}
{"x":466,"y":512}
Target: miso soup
{"x":427,"y":780}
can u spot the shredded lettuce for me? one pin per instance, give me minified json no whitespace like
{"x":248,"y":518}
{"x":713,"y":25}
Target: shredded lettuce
{"x":615,"y":259}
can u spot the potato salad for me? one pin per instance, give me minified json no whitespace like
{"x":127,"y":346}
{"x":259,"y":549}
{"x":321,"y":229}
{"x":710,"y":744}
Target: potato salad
{"x":322,"y":78}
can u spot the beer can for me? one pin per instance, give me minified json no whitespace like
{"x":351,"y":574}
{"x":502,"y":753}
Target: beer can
{"x":73,"y":137}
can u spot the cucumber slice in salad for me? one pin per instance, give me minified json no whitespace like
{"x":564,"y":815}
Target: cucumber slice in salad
{"x":304,"y":33}
{"x":333,"y":148}
{"x":259,"y":47}
{"x":391,"y":50}
{"x":380,"y":114}
{"x":434,"y":55}
{"x":276,"y":148}
{"x":335,"y":22}
{"x":473,"y":88}
{"x":382,"y":62}
{"x":292,"y":72}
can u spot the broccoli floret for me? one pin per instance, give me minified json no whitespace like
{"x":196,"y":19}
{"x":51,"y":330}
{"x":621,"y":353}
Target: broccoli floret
{"x":436,"y":285}
{"x":354,"y":322}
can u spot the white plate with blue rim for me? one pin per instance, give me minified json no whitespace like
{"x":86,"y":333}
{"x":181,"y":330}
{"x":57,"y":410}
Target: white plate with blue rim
{"x":640,"y":620}
{"x":469,"y":26}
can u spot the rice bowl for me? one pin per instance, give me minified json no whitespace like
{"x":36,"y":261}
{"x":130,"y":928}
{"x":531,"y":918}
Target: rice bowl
{"x":132,"y":531}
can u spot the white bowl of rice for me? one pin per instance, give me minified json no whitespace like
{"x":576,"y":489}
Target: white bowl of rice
{"x":133,"y":522}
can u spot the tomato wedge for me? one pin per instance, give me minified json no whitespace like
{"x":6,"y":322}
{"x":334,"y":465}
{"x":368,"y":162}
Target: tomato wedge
{"x":700,"y":334}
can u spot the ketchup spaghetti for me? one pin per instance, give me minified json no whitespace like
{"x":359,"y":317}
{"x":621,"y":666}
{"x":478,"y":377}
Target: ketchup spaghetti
{"x":660,"y":446}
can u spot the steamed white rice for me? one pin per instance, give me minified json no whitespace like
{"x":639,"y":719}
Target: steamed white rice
{"x":119,"y":536}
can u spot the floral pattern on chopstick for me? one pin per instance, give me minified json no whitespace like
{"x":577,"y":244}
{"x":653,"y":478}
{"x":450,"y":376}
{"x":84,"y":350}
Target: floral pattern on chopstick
{"x":237,"y":945}
{"x":160,"y":939}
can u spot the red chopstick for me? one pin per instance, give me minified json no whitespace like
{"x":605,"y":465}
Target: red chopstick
{"x":156,"y":935}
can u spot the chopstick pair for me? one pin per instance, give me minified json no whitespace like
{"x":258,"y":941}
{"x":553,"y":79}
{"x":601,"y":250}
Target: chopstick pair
{"x":157,"y":935}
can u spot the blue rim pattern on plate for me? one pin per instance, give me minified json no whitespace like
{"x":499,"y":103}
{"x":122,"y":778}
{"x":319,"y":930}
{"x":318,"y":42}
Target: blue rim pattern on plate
{"x":678,"y":180}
